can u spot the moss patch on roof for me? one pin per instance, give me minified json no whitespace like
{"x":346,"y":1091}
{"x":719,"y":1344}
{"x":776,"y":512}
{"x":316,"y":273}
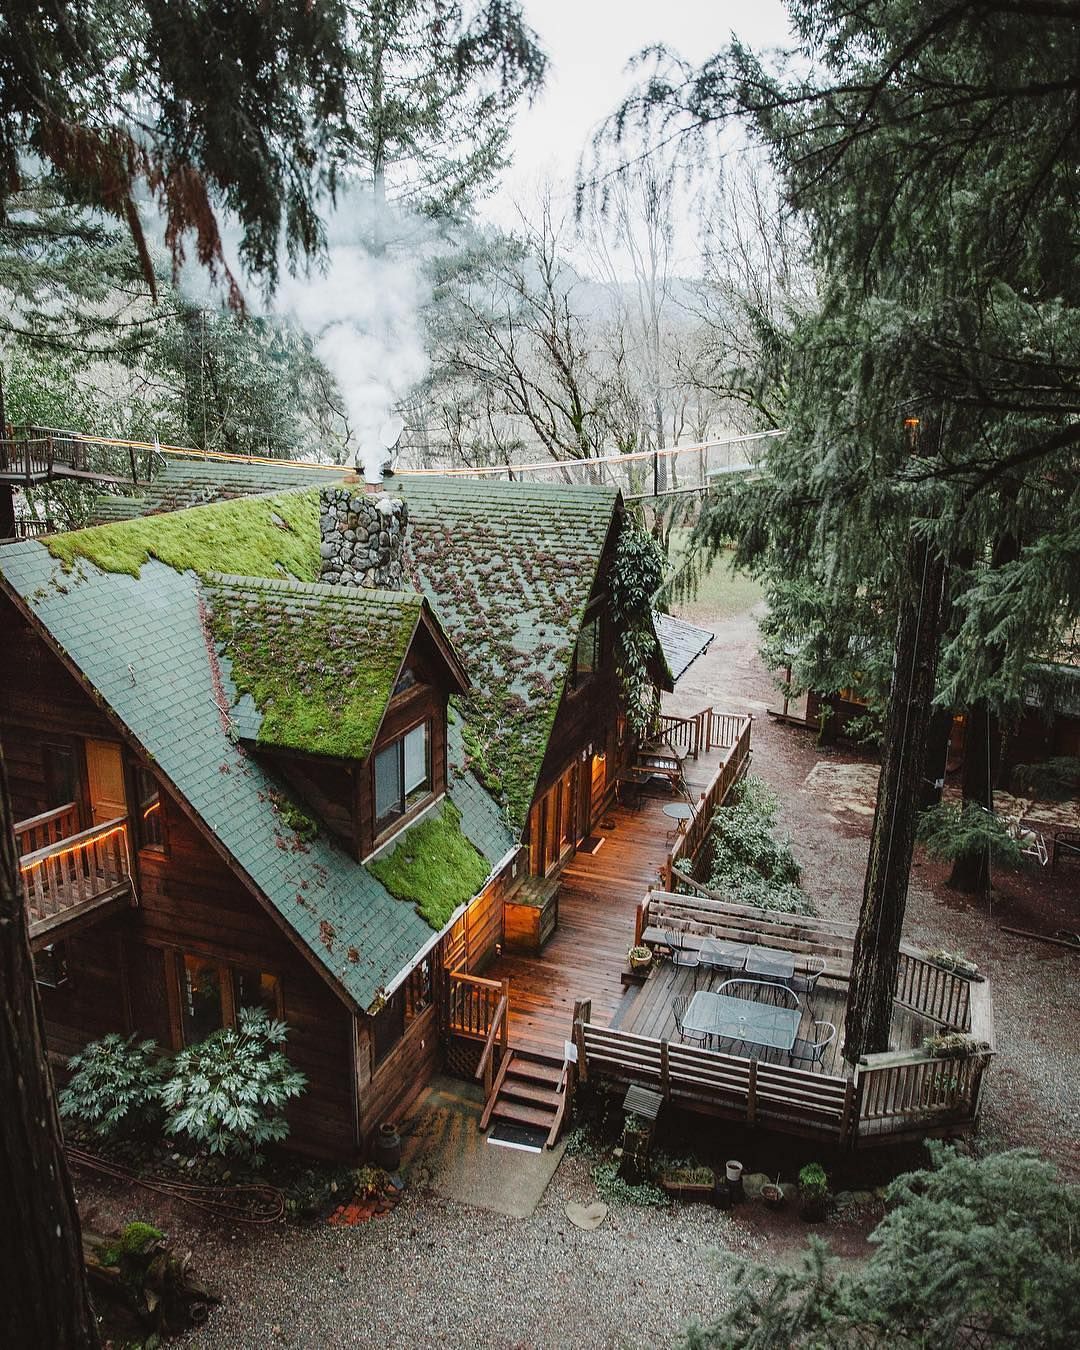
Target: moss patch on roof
{"x":268,"y":536}
{"x":434,"y":866}
{"x":318,"y":661}
{"x":510,"y":567}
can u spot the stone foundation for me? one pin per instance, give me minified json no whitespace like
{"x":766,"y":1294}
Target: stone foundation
{"x":363,"y":539}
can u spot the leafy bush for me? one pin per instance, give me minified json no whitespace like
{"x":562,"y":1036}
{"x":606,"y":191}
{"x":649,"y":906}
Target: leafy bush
{"x":115,"y":1085}
{"x":614,"y":1190}
{"x":949,"y":832}
{"x":813,"y":1181}
{"x":972,"y":1252}
{"x":749,"y":862}
{"x":229,"y":1092}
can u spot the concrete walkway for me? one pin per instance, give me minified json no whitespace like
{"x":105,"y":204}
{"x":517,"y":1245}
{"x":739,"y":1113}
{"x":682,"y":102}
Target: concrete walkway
{"x":442,"y":1150}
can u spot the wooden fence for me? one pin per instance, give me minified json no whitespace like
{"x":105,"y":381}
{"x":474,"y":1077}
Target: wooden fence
{"x":690,"y":842}
{"x":936,"y":993}
{"x":75,"y":871}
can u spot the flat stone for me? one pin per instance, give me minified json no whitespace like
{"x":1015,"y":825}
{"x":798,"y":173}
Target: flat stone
{"x":586,"y":1216}
{"x":753,"y":1182}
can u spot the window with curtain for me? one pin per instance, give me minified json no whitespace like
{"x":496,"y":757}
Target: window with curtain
{"x":402,"y":774}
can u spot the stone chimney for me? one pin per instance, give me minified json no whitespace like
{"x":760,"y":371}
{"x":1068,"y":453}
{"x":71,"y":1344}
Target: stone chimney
{"x":363,"y":538}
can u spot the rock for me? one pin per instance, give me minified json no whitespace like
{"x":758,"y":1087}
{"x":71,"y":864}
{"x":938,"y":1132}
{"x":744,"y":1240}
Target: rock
{"x":587,"y":1217}
{"x":327,"y":550}
{"x":753,"y":1182}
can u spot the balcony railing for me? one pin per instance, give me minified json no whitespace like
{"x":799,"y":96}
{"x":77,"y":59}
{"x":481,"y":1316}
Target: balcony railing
{"x":69,"y":873}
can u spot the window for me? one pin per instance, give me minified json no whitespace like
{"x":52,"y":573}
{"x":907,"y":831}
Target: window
{"x":61,"y":774}
{"x":201,"y":1006}
{"x":389,"y":1025}
{"x":587,"y":655}
{"x":149,"y":827}
{"x":50,"y":965}
{"x":402,"y":774}
{"x":213,"y":992}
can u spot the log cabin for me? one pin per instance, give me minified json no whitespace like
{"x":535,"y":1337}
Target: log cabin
{"x":312,"y":749}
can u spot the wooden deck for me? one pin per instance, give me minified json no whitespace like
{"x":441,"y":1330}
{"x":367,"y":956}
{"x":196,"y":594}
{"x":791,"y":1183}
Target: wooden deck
{"x":598,"y":900}
{"x":647,"y":1012}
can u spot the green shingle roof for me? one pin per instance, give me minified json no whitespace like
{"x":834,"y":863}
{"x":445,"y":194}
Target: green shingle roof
{"x":509,"y":568}
{"x":180,"y":482}
{"x":319,"y":662}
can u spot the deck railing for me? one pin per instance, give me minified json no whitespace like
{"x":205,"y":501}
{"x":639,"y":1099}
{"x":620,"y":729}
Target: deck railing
{"x":47,"y":828}
{"x":684,"y":733}
{"x":746,"y":1090}
{"x":690,"y":841}
{"x":471,"y":1004}
{"x":73,"y":871}
{"x":932,"y":991}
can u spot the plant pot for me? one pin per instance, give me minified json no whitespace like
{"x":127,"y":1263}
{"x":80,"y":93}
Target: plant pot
{"x":640,"y":963}
{"x":812,"y":1208}
{"x":772,"y":1194}
{"x":688,"y":1190}
{"x":733,"y":1170}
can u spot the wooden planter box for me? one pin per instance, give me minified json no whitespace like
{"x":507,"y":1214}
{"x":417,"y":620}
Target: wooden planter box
{"x":688,"y":1190}
{"x":530,"y":915}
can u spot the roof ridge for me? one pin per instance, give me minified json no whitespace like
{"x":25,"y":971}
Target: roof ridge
{"x":324,"y":589}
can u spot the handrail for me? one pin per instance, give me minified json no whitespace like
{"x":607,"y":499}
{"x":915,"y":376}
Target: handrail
{"x":72,"y":842}
{"x":485,"y":1069}
{"x":33,"y":825}
{"x":689,"y":842}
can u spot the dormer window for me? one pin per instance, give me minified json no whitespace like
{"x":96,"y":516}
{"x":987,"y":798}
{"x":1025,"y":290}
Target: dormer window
{"x":402,"y":775}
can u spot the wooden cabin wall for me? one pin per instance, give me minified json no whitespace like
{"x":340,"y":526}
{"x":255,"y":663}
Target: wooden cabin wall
{"x":190,"y":901}
{"x":121,"y":971}
{"x":383,"y":1093}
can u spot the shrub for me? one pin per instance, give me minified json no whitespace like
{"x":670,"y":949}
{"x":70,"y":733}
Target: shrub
{"x":1055,"y":779}
{"x":749,"y":862}
{"x":971,"y":1253}
{"x":813,"y":1181}
{"x":115,"y":1085}
{"x":229,"y":1092}
{"x":949,"y":832}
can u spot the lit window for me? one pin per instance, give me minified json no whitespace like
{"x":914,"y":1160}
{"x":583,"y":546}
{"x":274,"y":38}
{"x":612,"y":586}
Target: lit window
{"x":402,"y":774}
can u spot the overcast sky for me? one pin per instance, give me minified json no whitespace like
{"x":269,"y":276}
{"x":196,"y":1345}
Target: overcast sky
{"x":589,"y":43}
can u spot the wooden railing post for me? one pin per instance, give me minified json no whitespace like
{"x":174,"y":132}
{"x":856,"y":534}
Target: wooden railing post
{"x":582,"y":1013}
{"x":665,"y":1081}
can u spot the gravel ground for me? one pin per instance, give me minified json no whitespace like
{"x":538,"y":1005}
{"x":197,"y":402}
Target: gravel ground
{"x":1031,"y":1096}
{"x":437,"y":1274}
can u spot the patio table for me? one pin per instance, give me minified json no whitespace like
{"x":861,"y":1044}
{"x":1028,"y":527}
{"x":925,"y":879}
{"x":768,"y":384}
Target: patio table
{"x":724,"y":955}
{"x":770,"y":963}
{"x":743,"y":1019}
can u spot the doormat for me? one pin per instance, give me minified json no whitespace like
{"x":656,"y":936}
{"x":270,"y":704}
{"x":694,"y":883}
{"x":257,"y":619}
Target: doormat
{"x":592,"y":843}
{"x":524,"y":1137}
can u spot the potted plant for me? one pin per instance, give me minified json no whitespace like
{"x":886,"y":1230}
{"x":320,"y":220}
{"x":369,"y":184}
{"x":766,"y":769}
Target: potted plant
{"x":813,"y":1192}
{"x":951,"y":1045}
{"x":689,"y":1182}
{"x":640,"y":958}
{"x":636,"y":1138}
{"x":957,"y":965}
{"x":773,"y":1194}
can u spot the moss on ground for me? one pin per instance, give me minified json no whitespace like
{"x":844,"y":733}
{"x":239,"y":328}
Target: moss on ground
{"x":320,"y":668}
{"x":434,"y":866}
{"x":249,"y":536}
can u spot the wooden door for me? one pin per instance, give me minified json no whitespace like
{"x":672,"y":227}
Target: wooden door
{"x":105,"y":776}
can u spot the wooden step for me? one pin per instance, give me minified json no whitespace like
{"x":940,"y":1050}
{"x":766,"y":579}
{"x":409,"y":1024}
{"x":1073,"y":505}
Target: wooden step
{"x":523,"y":1091}
{"x":521,"y":1114}
{"x":489,"y":1105}
{"x":539,"y":1070}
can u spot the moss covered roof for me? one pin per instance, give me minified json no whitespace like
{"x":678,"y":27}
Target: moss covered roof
{"x":183,"y":481}
{"x":510,"y":568}
{"x":317,"y":662}
{"x":433,"y":864}
{"x":257,"y":536}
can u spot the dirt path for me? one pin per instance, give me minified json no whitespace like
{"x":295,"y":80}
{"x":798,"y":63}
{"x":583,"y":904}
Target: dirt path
{"x":1032,"y":1094}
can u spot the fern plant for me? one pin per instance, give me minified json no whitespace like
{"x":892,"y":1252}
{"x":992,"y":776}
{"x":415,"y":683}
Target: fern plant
{"x":229,"y":1092}
{"x":115,"y":1085}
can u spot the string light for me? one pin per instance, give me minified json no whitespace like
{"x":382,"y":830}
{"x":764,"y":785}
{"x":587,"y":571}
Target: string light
{"x":73,"y":848}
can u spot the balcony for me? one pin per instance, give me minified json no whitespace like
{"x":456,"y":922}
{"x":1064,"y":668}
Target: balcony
{"x":71,"y":877}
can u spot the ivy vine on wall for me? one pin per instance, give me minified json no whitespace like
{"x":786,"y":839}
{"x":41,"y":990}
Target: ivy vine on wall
{"x":636,"y":575}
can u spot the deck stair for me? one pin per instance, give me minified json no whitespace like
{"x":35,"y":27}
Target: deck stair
{"x":529,"y":1089}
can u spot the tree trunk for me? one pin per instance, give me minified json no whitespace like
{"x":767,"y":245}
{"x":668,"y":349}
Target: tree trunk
{"x":982,"y":756}
{"x":877,"y":939}
{"x":47,"y":1304}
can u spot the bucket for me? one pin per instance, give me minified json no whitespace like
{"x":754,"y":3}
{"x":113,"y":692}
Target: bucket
{"x":388,"y":1147}
{"x":734,"y":1170}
